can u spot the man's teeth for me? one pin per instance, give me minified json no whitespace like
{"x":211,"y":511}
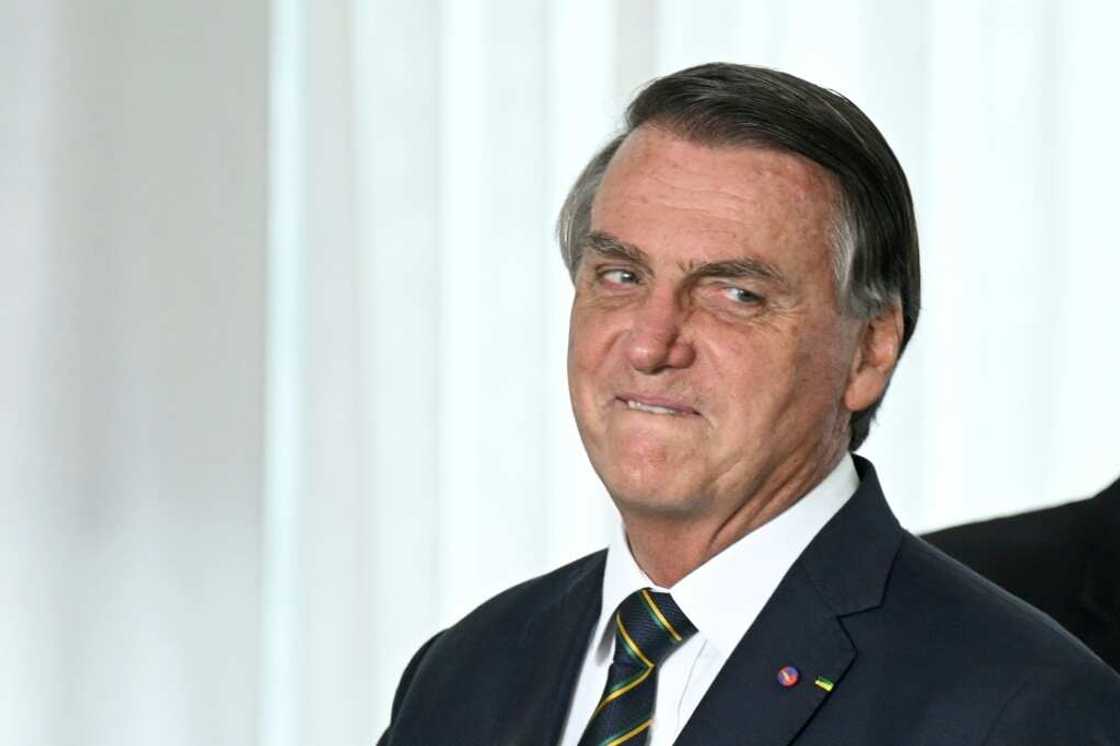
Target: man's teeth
{"x":649,"y":408}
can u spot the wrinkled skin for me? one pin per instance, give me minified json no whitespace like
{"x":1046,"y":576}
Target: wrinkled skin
{"x":711,"y":368}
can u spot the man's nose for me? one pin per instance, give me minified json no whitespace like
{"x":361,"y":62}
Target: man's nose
{"x":656,"y":339}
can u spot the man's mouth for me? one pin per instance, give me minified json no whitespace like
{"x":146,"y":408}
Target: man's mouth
{"x":656,"y":406}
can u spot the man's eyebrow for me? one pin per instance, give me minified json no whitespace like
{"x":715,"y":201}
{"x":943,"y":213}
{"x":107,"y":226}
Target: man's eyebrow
{"x":748,"y":267}
{"x":609,"y":247}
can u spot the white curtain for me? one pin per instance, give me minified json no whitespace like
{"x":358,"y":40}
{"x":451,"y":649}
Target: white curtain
{"x":133,"y":204}
{"x":284,"y":324}
{"x":469,"y":120}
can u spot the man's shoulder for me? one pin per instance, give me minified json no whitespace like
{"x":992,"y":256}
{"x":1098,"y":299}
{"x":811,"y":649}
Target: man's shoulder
{"x":952,"y":651}
{"x":513,"y":607}
{"x":1064,"y":560}
{"x":967,"y":615}
{"x":456,"y":682}
{"x":500,"y":624}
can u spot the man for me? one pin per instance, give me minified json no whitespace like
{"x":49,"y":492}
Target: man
{"x":1063,"y":560}
{"x":745,"y":265}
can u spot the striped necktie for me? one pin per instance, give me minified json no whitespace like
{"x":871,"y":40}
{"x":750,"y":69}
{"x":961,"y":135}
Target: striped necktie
{"x":648,"y":627}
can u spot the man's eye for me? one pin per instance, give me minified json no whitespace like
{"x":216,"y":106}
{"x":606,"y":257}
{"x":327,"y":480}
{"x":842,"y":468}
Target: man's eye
{"x":619,"y":277}
{"x":739,"y":295}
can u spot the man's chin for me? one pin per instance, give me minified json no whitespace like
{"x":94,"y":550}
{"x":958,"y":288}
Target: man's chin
{"x":652,"y":496}
{"x":649,"y":475}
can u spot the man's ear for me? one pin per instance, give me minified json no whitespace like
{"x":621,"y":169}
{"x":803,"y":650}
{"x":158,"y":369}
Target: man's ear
{"x":876,"y":354}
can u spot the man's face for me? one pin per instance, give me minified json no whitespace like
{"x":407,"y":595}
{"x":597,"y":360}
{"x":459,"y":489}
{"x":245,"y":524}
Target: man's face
{"x":707,"y":355}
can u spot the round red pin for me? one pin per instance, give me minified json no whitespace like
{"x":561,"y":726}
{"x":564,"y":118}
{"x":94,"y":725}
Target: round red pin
{"x":788,"y":676}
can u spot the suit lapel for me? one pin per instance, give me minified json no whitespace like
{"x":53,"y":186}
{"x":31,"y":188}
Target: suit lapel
{"x":842,"y":571}
{"x":554,"y":643}
{"x":746,"y":704}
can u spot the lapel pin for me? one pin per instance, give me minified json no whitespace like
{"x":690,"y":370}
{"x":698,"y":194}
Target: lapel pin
{"x":824,"y":683}
{"x":788,"y":676}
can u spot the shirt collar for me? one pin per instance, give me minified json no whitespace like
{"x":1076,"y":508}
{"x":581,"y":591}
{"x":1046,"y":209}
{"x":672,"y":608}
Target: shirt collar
{"x":723,"y":596}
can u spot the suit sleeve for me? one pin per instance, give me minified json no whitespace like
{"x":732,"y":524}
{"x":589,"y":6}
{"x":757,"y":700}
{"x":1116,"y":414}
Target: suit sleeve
{"x":402,"y":688}
{"x":1081,"y":710}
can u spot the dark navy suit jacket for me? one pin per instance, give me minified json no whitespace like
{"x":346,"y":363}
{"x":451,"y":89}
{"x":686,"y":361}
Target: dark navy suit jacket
{"x":1063,"y":560}
{"x":920,"y":650}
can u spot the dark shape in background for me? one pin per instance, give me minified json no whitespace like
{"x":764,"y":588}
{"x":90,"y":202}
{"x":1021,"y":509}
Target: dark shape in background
{"x":1064,"y":560}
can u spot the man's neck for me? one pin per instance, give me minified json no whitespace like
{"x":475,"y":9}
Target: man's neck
{"x":669,"y":547}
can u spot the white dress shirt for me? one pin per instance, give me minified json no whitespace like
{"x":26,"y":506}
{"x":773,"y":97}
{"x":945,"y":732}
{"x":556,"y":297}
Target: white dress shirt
{"x":721,"y":598}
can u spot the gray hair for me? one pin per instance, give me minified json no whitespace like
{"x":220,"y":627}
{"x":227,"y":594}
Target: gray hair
{"x":875,"y":238}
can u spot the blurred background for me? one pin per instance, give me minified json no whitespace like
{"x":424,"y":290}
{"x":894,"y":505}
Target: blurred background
{"x":283,"y":323}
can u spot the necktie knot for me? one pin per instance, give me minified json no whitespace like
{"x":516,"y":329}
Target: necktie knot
{"x":648,"y":627}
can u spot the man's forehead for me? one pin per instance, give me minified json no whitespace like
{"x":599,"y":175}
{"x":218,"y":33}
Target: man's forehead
{"x":684,"y":200}
{"x":652,"y":153}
